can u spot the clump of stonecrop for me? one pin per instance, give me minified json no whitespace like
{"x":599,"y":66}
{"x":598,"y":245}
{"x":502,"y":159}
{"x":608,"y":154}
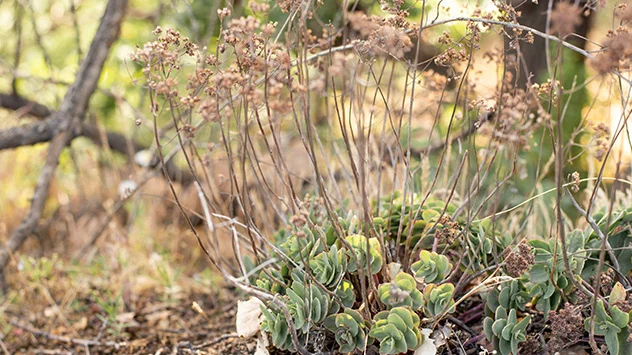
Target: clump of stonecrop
{"x":321,"y":277}
{"x":400,"y":292}
{"x":351,"y":282}
{"x":409,"y":220}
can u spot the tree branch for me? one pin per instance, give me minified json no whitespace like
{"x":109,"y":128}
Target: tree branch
{"x":18,"y":103}
{"x":37,"y":132}
{"x":43,"y":131}
{"x":70,"y":115}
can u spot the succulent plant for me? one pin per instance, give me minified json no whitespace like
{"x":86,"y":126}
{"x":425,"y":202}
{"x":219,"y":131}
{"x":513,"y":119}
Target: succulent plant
{"x":478,"y":245}
{"x":350,"y":225}
{"x":431,"y":267}
{"x":359,"y":247}
{"x":619,"y":236}
{"x":401,"y":291}
{"x":438,"y":299}
{"x":329,"y":267}
{"x":308,"y":304}
{"x":397,"y":330}
{"x":612,"y":324}
{"x":548,"y":276}
{"x":272,"y":281}
{"x":505,"y":331}
{"x":303,"y":247}
{"x":394,"y":211}
{"x":512,"y":295}
{"x":275,"y":324}
{"x":349,"y":328}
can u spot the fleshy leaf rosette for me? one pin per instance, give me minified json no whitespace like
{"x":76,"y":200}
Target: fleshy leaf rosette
{"x":329,"y":267}
{"x":349,"y":329}
{"x":275,"y":324}
{"x":438,"y":299}
{"x":511,"y":295}
{"x":272,"y":282}
{"x":308,"y":305}
{"x":302,"y":248}
{"x":358,"y":245}
{"x":505,"y":332}
{"x":396,"y":330}
{"x":401,"y":291}
{"x":431,"y":267}
{"x":548,"y":277}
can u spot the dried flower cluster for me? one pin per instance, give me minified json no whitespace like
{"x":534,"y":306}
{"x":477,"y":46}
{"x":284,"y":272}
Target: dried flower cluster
{"x":575,"y":181}
{"x":519,"y":260}
{"x":565,"y":18}
{"x":449,"y":232}
{"x":617,"y":54}
{"x":381,"y":36}
{"x":164,"y":55}
{"x":566,"y":327}
{"x":601,"y":140}
{"x":516,"y":121}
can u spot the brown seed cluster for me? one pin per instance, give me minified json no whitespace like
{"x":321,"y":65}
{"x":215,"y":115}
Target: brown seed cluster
{"x":565,"y":18}
{"x":450,"y":230}
{"x":163,"y":56}
{"x":252,"y":66}
{"x":575,"y":181}
{"x":601,"y":140}
{"x":288,"y":5}
{"x":515,"y":120}
{"x":607,"y":281}
{"x":311,"y":209}
{"x":381,"y":36}
{"x":567,"y":327}
{"x":617,"y":54}
{"x":519,"y":260}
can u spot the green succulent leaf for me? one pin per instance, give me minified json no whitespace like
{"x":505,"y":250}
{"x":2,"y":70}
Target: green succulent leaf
{"x":359,"y":245}
{"x":302,"y":248}
{"x":308,"y":304}
{"x":275,"y":324}
{"x":438,"y":299}
{"x":329,"y":267}
{"x":613,"y":326}
{"x":431,"y":267}
{"x":349,"y":329}
{"x":505,"y":331}
{"x":272,"y":281}
{"x":548,"y":277}
{"x":396,"y":330}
